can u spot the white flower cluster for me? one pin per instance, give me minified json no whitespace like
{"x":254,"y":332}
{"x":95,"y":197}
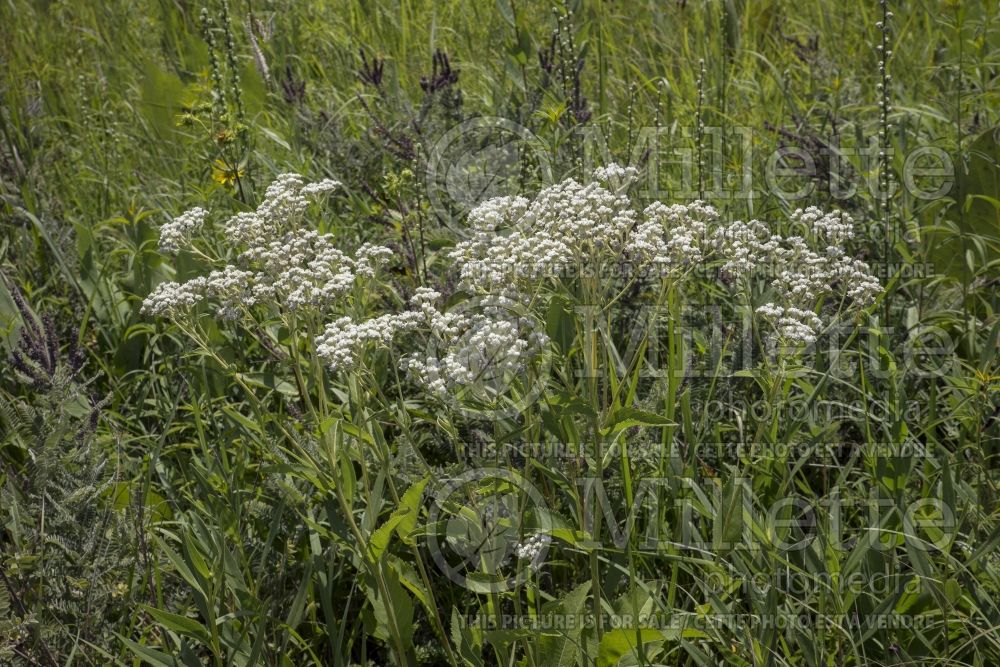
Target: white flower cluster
{"x":285,"y":200}
{"x":616,"y":176}
{"x":281,"y":262}
{"x":532,"y":547}
{"x":301,"y":269}
{"x":482,"y":348}
{"x":671,"y":237}
{"x":516,"y":241}
{"x":835,"y":227}
{"x":807,"y":276}
{"x":176,"y":234}
{"x":468,"y":346}
{"x":745,"y":246}
{"x":171,"y":298}
{"x":792,"y":324}
{"x":680,"y":236}
{"x":515,"y":245}
{"x":341,"y":341}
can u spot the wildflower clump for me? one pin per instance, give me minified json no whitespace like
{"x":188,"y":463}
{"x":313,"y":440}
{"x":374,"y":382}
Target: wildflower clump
{"x":803,"y":271}
{"x":813,"y":269}
{"x":514,"y":243}
{"x":277,"y":259}
{"x":517,"y":249}
{"x":533,"y":546}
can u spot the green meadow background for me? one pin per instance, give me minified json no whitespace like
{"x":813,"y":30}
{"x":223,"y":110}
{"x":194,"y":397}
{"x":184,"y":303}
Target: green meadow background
{"x":141,"y":519}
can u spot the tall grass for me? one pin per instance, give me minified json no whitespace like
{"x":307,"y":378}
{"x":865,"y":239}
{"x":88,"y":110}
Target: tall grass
{"x":260,"y":509}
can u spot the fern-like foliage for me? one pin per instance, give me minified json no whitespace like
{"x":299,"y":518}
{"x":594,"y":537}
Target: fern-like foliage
{"x":66,"y":548}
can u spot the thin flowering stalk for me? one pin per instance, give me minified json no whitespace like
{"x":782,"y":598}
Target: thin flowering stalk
{"x":960,"y":207}
{"x":699,"y":120}
{"x":258,"y":54}
{"x":234,"y":71}
{"x":218,"y":89}
{"x":631,"y":105}
{"x":885,"y":108}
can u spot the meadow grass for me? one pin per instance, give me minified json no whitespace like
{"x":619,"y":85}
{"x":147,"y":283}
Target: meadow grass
{"x":194,"y":490}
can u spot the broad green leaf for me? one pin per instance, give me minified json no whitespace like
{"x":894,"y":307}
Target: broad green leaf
{"x":151,"y":656}
{"x":402,"y":520}
{"x":620,"y":642}
{"x":409,"y":509}
{"x":180,"y":624}
{"x":399,"y":606}
{"x":562,"y":648}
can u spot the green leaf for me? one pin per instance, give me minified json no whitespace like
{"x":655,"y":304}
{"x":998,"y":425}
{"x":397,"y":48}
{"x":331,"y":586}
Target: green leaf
{"x":729,"y":521}
{"x":628,"y":417}
{"x":409,"y":509}
{"x":468,"y":641}
{"x":379,"y":540}
{"x":181,"y":624}
{"x":242,"y":420}
{"x":975,"y":212}
{"x":399,"y":605}
{"x":411,"y":580}
{"x":149,"y":655}
{"x":562,"y":649}
{"x":620,"y":642}
{"x":275,"y":137}
{"x":506,"y":10}
{"x":402,"y":520}
{"x":559,"y":324}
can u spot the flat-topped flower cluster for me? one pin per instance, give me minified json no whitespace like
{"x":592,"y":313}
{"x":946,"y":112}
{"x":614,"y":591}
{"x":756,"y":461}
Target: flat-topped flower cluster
{"x":515,"y":248}
{"x":514,"y":242}
{"x":279,"y":260}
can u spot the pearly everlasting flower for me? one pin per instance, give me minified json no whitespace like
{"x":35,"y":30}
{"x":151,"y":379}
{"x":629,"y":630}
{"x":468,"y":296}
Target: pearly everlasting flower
{"x":745,"y":246}
{"x":243,"y":228}
{"x":616,"y":176}
{"x":856,"y":279}
{"x":301,"y":269}
{"x":369,"y":257}
{"x":232,"y":289}
{"x":342,"y":340}
{"x":284,"y":202}
{"x":171,"y":298}
{"x":280,"y":262}
{"x":793,"y":325}
{"x":532,"y":547}
{"x":320,"y":187}
{"x":515,"y":243}
{"x":474,"y":347}
{"x":835,"y":227}
{"x":176,"y":234}
{"x":672,"y":237}
{"x":805,"y":270}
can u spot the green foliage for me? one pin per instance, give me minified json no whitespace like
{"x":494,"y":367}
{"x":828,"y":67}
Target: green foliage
{"x":70,"y":550}
{"x":236,"y":503}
